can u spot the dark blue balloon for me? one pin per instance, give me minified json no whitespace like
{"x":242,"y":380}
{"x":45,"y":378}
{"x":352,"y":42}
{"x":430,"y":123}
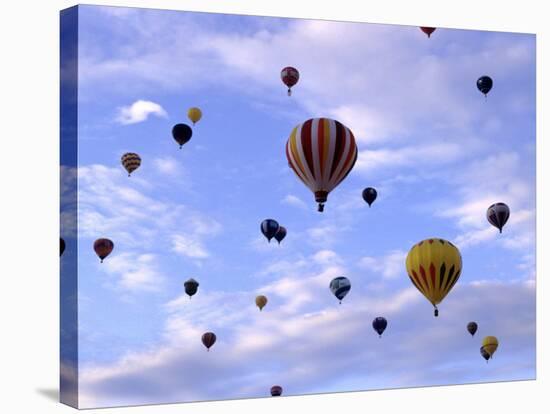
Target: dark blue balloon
{"x":369,"y":195}
{"x":379,"y":324}
{"x":484,"y":84}
{"x":269,"y":228}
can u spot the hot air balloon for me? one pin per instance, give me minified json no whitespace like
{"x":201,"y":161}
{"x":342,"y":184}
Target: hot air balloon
{"x":434,"y":266}
{"x":369,"y":195}
{"x":194,"y":114}
{"x":261,"y":301}
{"x":340,"y":287}
{"x":484,"y":354}
{"x":484,"y":84}
{"x":182,"y":133}
{"x":472,"y":328}
{"x":130,"y":161}
{"x":103,"y":248}
{"x":280,"y":235}
{"x":61,"y":246}
{"x":290,"y":77}
{"x":269,"y":228}
{"x":498,"y":214}
{"x":379,"y":324}
{"x":428,"y":30}
{"x":208,"y":339}
{"x":191,"y":286}
{"x":276,"y":391}
{"x":490,"y":345}
{"x":321,"y":152}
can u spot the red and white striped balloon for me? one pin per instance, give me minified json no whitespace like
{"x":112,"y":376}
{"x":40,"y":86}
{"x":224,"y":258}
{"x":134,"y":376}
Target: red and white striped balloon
{"x":322,"y":152}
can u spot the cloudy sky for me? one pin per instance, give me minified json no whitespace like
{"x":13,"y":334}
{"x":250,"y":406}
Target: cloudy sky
{"x":436,"y":150}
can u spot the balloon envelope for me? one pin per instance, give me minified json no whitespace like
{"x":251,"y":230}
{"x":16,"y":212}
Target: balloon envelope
{"x":131,"y":162}
{"x":434,"y":266}
{"x":490,"y":345}
{"x":61,"y":246}
{"x":276,"y":391}
{"x":280,"y":235}
{"x":208,"y":339}
{"x":498,"y":214}
{"x":472,"y":328}
{"x":194,"y":114}
{"x":340,"y":286}
{"x":182,"y":133}
{"x":428,"y":30}
{"x":191,"y":286}
{"x":103,"y":248}
{"x":369,"y":195}
{"x":269,"y":228}
{"x":379,"y":324}
{"x":290,"y":77}
{"x":321,"y":152}
{"x":261,"y":301}
{"x":484,"y":84}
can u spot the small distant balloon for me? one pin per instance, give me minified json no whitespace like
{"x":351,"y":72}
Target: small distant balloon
{"x":61,"y":246}
{"x":208,"y":339}
{"x":472,"y":328}
{"x":340,"y":286}
{"x":484,"y":84}
{"x":261,"y":301}
{"x":280,"y":235}
{"x":194,"y":114}
{"x":131,"y":162}
{"x":276,"y":391}
{"x":428,"y":30}
{"x":269,"y":228}
{"x":290,"y":77}
{"x":369,"y":195}
{"x":379,"y":324}
{"x":484,"y":354}
{"x":498,"y":214}
{"x":191,"y":286}
{"x":490,"y":345}
{"x":182,"y":133}
{"x":103,"y":248}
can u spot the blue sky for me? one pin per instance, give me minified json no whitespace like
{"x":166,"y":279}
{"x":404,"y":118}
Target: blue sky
{"x":438,"y":153}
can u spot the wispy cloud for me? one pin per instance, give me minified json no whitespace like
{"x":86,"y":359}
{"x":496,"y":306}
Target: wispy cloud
{"x":294,"y":201}
{"x":318,"y":346}
{"x":139,"y":111}
{"x":389,"y":266}
{"x":134,"y":272}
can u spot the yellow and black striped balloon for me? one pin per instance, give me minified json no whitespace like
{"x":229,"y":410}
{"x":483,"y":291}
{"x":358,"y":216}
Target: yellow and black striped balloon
{"x":130,"y":161}
{"x":434,"y":266}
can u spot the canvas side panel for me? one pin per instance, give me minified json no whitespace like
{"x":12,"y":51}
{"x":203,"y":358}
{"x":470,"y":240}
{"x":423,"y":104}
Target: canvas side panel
{"x":68,"y":206}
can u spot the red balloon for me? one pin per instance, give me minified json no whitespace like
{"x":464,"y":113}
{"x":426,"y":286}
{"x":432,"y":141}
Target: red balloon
{"x":428,"y":30}
{"x":103,"y":247}
{"x":290,"y":76}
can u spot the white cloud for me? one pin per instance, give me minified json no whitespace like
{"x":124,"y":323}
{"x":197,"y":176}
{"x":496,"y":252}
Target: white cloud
{"x":389,"y":266}
{"x":320,"y":344}
{"x":139,"y":111}
{"x":134,"y":272}
{"x":294,"y":201}
{"x":189,"y":247}
{"x":419,"y":156}
{"x":167,"y":165}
